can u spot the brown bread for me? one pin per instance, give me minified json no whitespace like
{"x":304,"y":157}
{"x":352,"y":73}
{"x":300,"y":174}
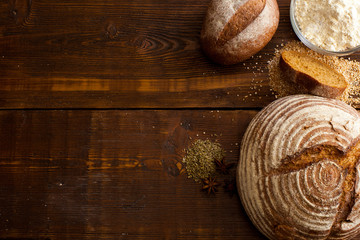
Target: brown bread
{"x":298,"y":174}
{"x":235,"y":30}
{"x":315,"y":76}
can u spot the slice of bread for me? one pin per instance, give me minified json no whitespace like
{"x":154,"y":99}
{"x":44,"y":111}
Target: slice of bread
{"x":315,"y":76}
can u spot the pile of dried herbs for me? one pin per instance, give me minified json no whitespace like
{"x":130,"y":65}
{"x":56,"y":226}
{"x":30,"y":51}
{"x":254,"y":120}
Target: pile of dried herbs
{"x":201,"y":157}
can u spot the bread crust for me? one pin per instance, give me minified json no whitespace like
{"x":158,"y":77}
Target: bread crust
{"x":298,"y":174}
{"x":245,"y":15}
{"x":229,"y":37}
{"x":311,"y":84}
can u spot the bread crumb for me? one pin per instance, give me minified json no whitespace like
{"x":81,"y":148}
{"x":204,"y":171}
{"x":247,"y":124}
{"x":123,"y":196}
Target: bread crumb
{"x":282,"y":87}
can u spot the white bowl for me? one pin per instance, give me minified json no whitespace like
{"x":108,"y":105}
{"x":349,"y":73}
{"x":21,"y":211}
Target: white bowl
{"x":298,"y":33}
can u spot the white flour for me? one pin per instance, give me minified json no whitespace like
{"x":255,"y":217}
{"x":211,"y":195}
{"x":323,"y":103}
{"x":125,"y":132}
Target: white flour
{"x":330,"y":24}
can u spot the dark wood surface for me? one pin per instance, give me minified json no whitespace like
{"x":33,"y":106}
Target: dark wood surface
{"x":99,"y":99}
{"x":121,"y":54}
{"x":115,"y":174}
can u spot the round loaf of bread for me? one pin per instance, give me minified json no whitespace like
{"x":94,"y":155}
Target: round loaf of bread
{"x":298,"y":174}
{"x":235,"y":30}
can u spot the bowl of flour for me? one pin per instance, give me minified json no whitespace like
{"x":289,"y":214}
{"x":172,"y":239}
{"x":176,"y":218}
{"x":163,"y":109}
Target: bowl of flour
{"x":329,"y":27}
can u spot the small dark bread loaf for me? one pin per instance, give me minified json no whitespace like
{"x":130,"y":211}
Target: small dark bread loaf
{"x":235,"y":30}
{"x":316,"y":77}
{"x":298,"y":174}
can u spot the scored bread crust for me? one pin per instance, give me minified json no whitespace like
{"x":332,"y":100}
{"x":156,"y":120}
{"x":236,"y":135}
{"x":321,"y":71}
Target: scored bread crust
{"x":317,"y":199}
{"x":312,"y":84}
{"x":235,"y":30}
{"x":245,"y":15}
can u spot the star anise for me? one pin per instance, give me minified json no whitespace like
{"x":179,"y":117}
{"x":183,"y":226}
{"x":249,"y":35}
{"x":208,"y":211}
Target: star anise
{"x":230,"y":186}
{"x":222,"y":166}
{"x":210,"y":185}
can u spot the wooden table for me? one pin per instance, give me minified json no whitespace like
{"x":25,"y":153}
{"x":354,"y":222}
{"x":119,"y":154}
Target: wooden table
{"x":98,"y":101}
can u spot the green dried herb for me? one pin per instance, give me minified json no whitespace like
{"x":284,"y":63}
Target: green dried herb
{"x":200,"y":159}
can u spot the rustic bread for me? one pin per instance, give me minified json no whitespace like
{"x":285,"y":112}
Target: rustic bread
{"x":298,"y":174}
{"x":315,"y":76}
{"x":234,"y":30}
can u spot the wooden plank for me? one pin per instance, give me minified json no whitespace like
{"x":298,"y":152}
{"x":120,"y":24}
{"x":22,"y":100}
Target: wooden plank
{"x":80,"y":174}
{"x":122,"y":54}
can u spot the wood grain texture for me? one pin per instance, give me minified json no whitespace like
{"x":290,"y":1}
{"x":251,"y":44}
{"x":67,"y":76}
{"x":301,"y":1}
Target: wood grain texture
{"x":70,"y":172}
{"x":122,"y":54}
{"x":81,"y":174}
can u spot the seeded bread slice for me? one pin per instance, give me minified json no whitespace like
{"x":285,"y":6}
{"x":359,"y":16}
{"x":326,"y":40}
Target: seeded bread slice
{"x":315,"y":76}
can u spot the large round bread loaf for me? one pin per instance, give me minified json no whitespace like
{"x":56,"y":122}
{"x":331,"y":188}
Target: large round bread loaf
{"x":234,"y":30}
{"x":298,"y":174}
